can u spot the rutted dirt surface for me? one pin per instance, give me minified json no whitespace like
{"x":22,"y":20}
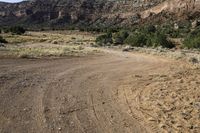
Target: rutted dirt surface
{"x":111,"y":93}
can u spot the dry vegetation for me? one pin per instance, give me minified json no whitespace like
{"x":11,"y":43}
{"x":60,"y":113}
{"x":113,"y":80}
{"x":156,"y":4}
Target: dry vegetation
{"x":45,"y":44}
{"x":190,"y":56}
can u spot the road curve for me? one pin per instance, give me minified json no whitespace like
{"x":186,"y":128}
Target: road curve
{"x":74,"y":95}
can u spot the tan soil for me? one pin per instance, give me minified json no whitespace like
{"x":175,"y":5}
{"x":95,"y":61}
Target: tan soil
{"x":112,"y":93}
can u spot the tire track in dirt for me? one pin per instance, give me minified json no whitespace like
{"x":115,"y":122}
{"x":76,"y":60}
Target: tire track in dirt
{"x":76,"y":94}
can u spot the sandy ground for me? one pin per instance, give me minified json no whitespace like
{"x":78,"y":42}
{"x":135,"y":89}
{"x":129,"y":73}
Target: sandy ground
{"x":112,"y":93}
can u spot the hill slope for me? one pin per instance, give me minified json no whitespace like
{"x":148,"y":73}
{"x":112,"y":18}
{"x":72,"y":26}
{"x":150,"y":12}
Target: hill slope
{"x":61,"y":13}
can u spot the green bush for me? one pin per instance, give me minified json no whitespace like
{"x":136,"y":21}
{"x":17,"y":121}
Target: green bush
{"x":6,"y":30}
{"x":2,"y":40}
{"x":175,"y":34}
{"x":136,"y":39}
{"x":150,"y":29}
{"x":104,"y":39}
{"x":117,"y":39}
{"x":120,"y":37}
{"x":148,"y":36}
{"x":179,"y":33}
{"x":17,"y":30}
{"x":185,"y":24}
{"x":112,"y":30}
{"x":195,"y":32}
{"x":185,"y":30}
{"x":159,"y":39}
{"x":192,"y":41}
{"x":170,"y":31}
{"x":167,"y":29}
{"x":124,"y":34}
{"x":149,"y":40}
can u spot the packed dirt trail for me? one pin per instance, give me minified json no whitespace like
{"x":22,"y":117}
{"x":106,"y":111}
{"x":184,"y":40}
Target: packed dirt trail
{"x":90,"y":94}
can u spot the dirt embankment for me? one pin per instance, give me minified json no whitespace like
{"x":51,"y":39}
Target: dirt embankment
{"x":115,"y":92}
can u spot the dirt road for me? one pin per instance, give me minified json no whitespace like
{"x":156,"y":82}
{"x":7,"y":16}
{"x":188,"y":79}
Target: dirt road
{"x":92,"y":94}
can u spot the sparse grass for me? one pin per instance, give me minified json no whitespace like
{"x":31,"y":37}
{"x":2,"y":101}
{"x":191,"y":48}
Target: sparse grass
{"x":35,"y":37}
{"x":45,"y":52}
{"x":51,"y":51}
{"x":41,"y":44}
{"x":16,"y":39}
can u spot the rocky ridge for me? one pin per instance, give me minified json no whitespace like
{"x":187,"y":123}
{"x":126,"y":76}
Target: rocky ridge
{"x":96,"y":12}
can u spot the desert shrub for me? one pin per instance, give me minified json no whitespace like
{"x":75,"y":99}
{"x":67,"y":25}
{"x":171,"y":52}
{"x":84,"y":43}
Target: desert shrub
{"x":42,"y":29}
{"x":166,"y":29}
{"x":147,"y":29}
{"x":148,"y":36}
{"x":185,"y":30}
{"x":95,"y":29}
{"x":5,"y":30}
{"x":112,"y":30}
{"x":181,"y":32}
{"x":184,"y":24}
{"x":150,"y":29}
{"x":192,"y":41}
{"x":82,"y":29}
{"x":175,"y":34}
{"x":2,"y":40}
{"x":136,"y":39}
{"x":124,"y":34}
{"x":169,"y":30}
{"x":90,"y":29}
{"x":104,"y":39}
{"x":120,"y":37}
{"x":195,"y":32}
{"x":17,"y":30}
{"x":71,"y":27}
{"x":117,"y":39}
{"x":159,"y":39}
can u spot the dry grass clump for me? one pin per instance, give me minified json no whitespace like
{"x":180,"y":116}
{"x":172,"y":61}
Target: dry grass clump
{"x":51,"y":44}
{"x":37,"y":52}
{"x":52,"y":37}
{"x":190,"y":56}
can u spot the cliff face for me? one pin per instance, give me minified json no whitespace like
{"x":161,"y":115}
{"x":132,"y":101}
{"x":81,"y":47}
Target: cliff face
{"x":94,"y":12}
{"x":178,"y":7}
{"x":51,"y":11}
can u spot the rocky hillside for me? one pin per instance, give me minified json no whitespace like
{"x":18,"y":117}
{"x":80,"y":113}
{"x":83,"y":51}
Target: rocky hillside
{"x":48,"y":13}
